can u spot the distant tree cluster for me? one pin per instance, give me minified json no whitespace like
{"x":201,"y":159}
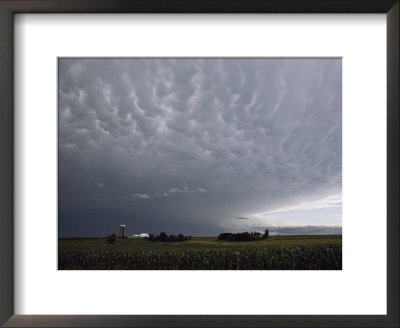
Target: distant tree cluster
{"x":164,"y":237}
{"x":243,"y":236}
{"x":111,"y":239}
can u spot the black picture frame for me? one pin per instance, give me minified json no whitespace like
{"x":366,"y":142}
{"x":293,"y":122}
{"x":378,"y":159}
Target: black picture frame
{"x":10,"y":7}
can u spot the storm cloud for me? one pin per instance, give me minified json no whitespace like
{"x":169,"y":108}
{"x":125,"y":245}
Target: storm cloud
{"x":188,"y":145}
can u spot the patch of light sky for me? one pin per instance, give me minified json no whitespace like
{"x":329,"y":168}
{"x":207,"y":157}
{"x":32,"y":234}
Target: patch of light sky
{"x":327,"y":210}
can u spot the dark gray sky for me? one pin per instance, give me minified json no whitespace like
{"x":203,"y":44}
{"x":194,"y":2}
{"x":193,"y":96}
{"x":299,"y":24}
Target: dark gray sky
{"x":198,"y":146}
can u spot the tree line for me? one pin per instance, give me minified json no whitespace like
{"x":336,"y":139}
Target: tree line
{"x":243,"y":236}
{"x":168,"y":238}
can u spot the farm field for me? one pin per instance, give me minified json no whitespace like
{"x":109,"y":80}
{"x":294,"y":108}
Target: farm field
{"x":299,"y":252}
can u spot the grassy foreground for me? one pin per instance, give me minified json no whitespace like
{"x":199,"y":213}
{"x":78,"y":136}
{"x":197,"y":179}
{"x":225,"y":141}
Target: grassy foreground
{"x":301,"y":252}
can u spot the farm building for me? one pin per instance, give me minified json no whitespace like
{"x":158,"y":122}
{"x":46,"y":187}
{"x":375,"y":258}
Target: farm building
{"x":142,"y":235}
{"x":122,"y":231}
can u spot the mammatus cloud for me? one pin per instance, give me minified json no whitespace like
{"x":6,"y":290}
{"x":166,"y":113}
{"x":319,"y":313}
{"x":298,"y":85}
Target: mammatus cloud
{"x":196,"y":142}
{"x":164,"y":194}
{"x":139,"y":196}
{"x":185,"y":190}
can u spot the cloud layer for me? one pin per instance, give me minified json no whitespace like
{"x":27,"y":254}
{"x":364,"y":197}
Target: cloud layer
{"x":187,"y":145}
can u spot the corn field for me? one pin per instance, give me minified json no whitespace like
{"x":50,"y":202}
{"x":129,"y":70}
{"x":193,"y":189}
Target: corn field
{"x":297,"y":257}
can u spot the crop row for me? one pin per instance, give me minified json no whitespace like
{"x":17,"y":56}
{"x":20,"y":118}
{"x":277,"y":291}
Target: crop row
{"x":307,"y":257}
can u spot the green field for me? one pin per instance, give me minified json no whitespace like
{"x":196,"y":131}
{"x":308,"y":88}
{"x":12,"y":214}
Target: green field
{"x":301,"y":252}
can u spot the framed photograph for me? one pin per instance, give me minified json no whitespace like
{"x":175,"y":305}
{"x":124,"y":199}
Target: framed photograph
{"x":239,"y":159}
{"x":201,"y":164}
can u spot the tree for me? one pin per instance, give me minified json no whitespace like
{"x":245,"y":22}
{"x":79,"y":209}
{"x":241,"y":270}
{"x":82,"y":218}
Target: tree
{"x":111,"y":238}
{"x":168,"y":238}
{"x":266,"y":234}
{"x":163,"y":236}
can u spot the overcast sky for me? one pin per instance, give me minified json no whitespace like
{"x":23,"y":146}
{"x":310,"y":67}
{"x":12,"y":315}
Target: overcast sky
{"x":198,"y":146}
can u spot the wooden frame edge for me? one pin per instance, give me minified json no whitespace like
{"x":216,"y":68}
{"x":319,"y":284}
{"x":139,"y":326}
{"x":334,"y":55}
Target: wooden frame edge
{"x":9,"y":7}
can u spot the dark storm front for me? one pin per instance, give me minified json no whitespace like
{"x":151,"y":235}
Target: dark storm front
{"x":200,"y":147}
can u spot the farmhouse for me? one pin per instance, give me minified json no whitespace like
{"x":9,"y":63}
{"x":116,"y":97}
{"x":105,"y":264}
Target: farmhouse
{"x":142,"y":235}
